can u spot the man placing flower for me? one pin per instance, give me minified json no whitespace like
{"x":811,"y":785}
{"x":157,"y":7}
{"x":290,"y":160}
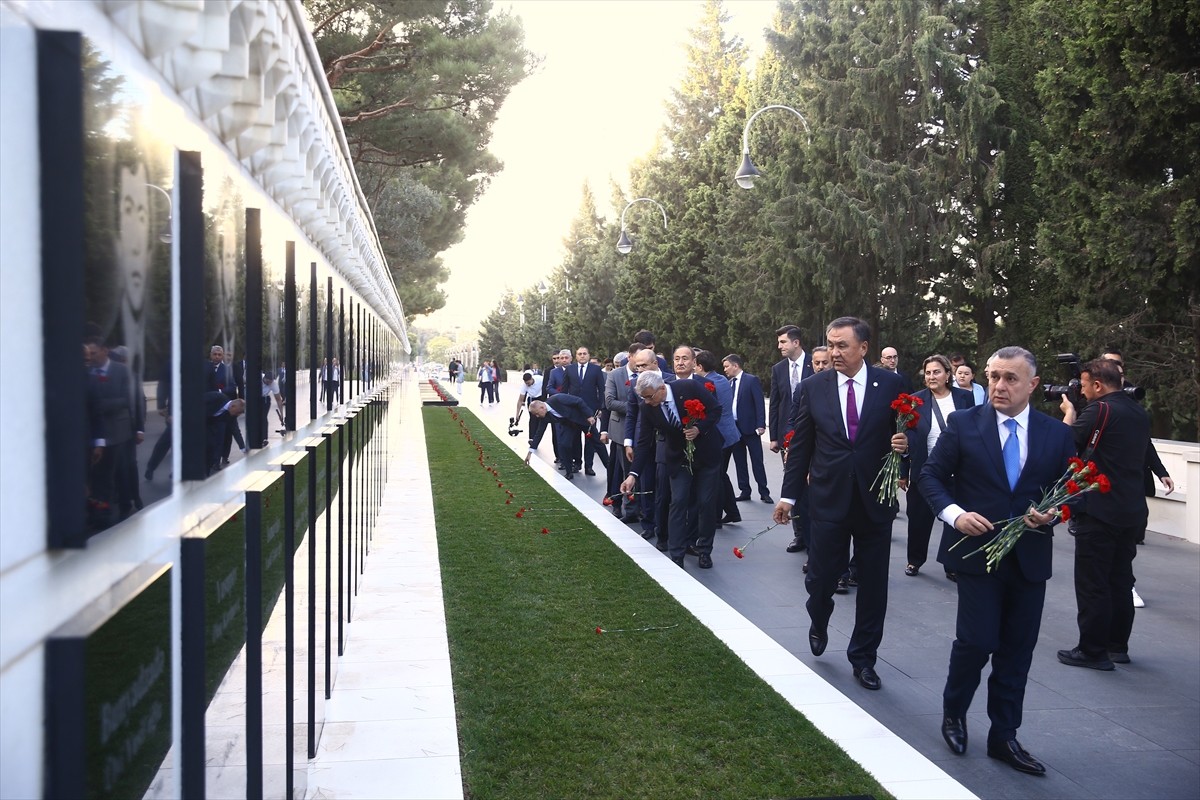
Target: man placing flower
{"x":996,"y":462}
{"x":692,"y":456}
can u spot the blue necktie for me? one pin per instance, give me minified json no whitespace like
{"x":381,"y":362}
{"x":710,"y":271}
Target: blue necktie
{"x":1012,"y":454}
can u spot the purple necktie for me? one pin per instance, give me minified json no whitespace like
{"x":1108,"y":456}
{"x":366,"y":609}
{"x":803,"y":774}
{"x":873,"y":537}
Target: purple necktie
{"x":851,"y":412}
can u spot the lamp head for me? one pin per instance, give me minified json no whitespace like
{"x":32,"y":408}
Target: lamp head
{"x":746,"y":173}
{"x":624,"y":245}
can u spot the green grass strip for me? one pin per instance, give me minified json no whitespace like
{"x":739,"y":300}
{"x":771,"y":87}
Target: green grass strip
{"x":548,"y":708}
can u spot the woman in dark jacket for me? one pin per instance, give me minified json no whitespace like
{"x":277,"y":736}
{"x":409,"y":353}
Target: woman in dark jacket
{"x":941,"y":398}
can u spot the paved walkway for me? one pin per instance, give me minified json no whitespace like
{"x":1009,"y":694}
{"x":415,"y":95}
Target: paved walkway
{"x":1132,"y":733}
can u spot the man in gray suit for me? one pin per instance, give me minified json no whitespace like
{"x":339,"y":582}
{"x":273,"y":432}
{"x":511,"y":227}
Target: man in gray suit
{"x":111,"y":384}
{"x":612,"y":433}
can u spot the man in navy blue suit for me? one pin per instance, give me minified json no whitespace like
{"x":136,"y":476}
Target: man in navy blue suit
{"x":585,"y":380}
{"x":570,"y":418}
{"x":664,"y":413}
{"x":843,"y":427}
{"x":992,"y":463}
{"x":786,"y":376}
{"x":749,"y":414}
{"x":556,"y":382}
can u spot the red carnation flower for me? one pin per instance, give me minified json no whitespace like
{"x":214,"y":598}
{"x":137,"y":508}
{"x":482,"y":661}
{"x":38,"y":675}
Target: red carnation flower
{"x":508,"y":502}
{"x":1073,"y":487}
{"x":787,"y":440}
{"x":712,"y":387}
{"x":1064,"y":513}
{"x":912,"y":423}
{"x":545,"y":530}
{"x":599,"y":629}
{"x":737,"y":551}
{"x":520,"y":515}
{"x":1075,"y":464}
{"x":1103,"y":484}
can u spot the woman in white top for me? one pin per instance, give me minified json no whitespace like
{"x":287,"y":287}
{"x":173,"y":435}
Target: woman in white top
{"x":940,"y":401}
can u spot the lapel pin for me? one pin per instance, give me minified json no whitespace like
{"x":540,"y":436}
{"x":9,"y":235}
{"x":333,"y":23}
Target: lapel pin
{"x":875,"y":384}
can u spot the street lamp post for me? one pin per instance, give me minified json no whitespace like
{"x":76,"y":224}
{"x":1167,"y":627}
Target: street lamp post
{"x":747,"y":172}
{"x":624,"y":244}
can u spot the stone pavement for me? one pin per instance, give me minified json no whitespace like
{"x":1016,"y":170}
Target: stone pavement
{"x":1131,"y":733}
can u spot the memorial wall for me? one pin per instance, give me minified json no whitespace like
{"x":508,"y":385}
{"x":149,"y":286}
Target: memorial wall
{"x":206,"y":330}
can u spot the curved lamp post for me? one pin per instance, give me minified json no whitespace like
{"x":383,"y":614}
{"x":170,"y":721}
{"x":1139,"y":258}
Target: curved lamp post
{"x":747,"y":172}
{"x":624,"y":244}
{"x":165,"y":236}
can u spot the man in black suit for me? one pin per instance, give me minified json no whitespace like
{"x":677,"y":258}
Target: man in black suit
{"x":556,"y":382}
{"x":111,"y":389}
{"x":585,"y":380}
{"x":749,"y":414}
{"x":654,"y":481}
{"x":665,"y":412}
{"x":1112,"y":429}
{"x":843,"y":427}
{"x":786,"y":376}
{"x":219,"y":413}
{"x":992,"y":463}
{"x":570,"y":418}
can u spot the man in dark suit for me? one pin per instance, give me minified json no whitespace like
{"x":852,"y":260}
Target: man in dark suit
{"x":786,"y":376}
{"x":993,"y":463}
{"x":556,"y":382}
{"x":654,"y":482}
{"x":219,"y":413}
{"x":570,"y":418}
{"x":111,"y":386}
{"x":665,"y":412}
{"x":843,"y":428}
{"x":585,"y":380}
{"x":749,"y":414}
{"x":1112,"y":429}
{"x":617,"y":398}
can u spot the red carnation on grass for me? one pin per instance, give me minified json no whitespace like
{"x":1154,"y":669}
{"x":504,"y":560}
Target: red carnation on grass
{"x":599,"y":629}
{"x":508,"y":502}
{"x":520,"y":515}
{"x":545,"y":530}
{"x":737,"y":551}
{"x":1064,"y":513}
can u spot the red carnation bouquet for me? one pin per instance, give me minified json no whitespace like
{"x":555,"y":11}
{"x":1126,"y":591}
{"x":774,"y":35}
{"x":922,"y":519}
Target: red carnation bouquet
{"x":888,"y":479}
{"x":1080,"y":478}
{"x":693,"y":412}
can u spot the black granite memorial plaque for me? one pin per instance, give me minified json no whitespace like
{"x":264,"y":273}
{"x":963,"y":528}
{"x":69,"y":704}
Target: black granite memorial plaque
{"x":108,"y":691}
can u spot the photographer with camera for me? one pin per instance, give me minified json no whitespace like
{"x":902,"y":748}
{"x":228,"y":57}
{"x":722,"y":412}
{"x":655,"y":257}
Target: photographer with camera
{"x":529,"y":390}
{"x":1106,"y":525}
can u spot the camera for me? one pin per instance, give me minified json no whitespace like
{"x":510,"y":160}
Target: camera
{"x":513,"y":430}
{"x":1073,"y":389}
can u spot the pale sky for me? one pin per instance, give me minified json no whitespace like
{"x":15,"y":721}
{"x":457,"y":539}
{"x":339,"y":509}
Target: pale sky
{"x":591,"y":110}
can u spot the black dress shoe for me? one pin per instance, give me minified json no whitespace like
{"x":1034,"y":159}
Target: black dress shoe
{"x":817,"y":641}
{"x":842,"y":587}
{"x":867,"y":677}
{"x":952,"y":577}
{"x":678,"y":560}
{"x":852,"y":581}
{"x":796,"y":546}
{"x":741,"y":498}
{"x":629,"y":519}
{"x":805,"y":568}
{"x":650,"y":536}
{"x":691,"y":551}
{"x":766,"y":498}
{"x":954,"y":731}
{"x":729,"y":519}
{"x":705,"y":561}
{"x":1015,"y":756}
{"x":1078,"y":658}
{"x":590,"y":472}
{"x":1118,"y":658}
{"x":911,"y":570}
{"x":569,"y":475}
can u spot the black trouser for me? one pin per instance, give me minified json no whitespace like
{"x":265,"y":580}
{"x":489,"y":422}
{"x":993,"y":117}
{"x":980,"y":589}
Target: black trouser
{"x":829,"y":554}
{"x":726,"y":501}
{"x":1104,"y":584}
{"x":617,"y":469}
{"x":161,"y":447}
{"x":689,"y":493}
{"x":999,"y":616}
